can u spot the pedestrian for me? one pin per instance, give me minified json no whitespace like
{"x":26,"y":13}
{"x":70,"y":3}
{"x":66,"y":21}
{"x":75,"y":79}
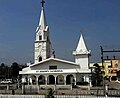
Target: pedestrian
{"x":13,"y":92}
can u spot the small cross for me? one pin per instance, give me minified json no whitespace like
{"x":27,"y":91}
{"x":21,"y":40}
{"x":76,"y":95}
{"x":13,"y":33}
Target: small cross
{"x":81,"y":30}
{"x":43,"y":3}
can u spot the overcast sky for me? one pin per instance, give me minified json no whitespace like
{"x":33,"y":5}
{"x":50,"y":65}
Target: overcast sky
{"x":98,"y":19}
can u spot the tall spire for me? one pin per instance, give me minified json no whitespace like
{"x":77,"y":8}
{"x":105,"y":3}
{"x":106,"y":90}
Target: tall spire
{"x":81,"y":47}
{"x":42,"y":22}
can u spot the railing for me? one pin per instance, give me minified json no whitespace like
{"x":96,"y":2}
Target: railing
{"x":22,"y":96}
{"x":65,"y":92}
{"x":56,"y":96}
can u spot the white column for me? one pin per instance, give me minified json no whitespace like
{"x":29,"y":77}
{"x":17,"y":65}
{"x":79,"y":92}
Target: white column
{"x":55,"y":83}
{"x":90,"y":83}
{"x":7,"y":87}
{"x":37,"y":79}
{"x":46,"y":79}
{"x":55,"y":80}
{"x":87,"y":78}
{"x":75,"y":80}
{"x":37,"y":83}
{"x":23,"y":85}
{"x":28,"y":77}
{"x":64,"y":79}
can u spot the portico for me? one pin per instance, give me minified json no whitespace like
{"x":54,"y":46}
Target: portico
{"x":50,"y":79}
{"x":54,"y":80}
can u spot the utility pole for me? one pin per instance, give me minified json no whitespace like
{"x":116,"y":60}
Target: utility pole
{"x":102,"y":58}
{"x":101,"y":54}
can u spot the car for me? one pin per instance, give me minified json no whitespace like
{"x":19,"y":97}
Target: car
{"x":6,"y":81}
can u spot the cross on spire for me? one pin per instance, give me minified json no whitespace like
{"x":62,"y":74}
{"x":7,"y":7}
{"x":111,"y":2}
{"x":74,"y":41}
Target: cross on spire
{"x":42,"y":3}
{"x":81,"y":30}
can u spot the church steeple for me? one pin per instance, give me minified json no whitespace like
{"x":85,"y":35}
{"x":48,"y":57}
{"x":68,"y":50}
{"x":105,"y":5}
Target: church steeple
{"x":82,"y":54}
{"x":81,"y":47}
{"x":42,"y":41}
{"x":42,"y":20}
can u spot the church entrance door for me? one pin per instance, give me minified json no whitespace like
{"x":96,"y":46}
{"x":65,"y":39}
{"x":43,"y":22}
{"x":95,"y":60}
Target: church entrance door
{"x":69,"y":79}
{"x":51,"y":79}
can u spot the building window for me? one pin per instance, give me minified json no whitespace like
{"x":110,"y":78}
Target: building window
{"x":40,"y":58}
{"x":47,"y":38}
{"x":40,"y":37}
{"x":52,"y":67}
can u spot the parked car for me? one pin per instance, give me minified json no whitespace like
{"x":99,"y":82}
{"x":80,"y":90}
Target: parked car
{"x":6,"y":81}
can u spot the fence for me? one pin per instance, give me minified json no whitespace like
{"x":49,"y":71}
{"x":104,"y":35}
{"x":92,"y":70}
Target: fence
{"x":77,"y":92}
{"x":56,"y":96}
{"x":66,"y":92}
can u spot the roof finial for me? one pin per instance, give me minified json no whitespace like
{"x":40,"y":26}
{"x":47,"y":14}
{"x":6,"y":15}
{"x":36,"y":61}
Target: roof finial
{"x":42,"y":3}
{"x":81,"y":30}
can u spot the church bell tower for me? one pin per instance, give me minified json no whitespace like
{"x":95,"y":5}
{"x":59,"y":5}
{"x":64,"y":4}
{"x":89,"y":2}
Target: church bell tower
{"x":82,"y":54}
{"x":42,"y":41}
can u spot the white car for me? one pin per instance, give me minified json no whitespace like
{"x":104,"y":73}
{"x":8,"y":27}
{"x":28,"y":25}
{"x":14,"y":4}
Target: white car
{"x":6,"y":81}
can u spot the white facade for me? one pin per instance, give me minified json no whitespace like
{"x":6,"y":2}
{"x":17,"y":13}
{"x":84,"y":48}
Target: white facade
{"x":50,"y":70}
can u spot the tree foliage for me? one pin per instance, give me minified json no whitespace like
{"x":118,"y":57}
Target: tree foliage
{"x":15,"y":70}
{"x":4,"y":71}
{"x":7,"y":71}
{"x":97,"y":75}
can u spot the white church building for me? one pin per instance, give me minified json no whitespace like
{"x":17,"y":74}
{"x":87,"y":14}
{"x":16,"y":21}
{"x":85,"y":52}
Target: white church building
{"x":48,"y":70}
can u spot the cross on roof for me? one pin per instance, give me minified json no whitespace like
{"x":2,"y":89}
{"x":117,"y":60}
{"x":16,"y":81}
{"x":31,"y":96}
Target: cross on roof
{"x":42,"y":3}
{"x":81,"y":30}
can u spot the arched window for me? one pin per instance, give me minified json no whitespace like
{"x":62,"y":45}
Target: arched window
{"x":69,"y":79}
{"x":40,"y":37}
{"x":32,"y":79}
{"x":41,"y":79}
{"x":51,"y":79}
{"x":40,"y":58}
{"x":60,"y":80}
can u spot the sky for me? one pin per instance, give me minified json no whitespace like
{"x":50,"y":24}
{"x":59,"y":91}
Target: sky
{"x":99,"y":21}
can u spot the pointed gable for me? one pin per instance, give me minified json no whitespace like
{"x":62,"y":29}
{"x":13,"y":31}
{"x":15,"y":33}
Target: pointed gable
{"x":81,"y":47}
{"x":55,"y":60}
{"x":61,"y":64}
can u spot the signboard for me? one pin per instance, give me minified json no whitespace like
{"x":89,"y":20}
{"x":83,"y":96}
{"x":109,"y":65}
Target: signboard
{"x":116,"y":64}
{"x":47,"y":71}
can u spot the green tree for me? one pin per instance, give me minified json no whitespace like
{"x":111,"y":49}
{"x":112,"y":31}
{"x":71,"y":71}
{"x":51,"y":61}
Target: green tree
{"x":15,"y":70}
{"x":5,"y":71}
{"x":2,"y":70}
{"x":97,"y":75}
